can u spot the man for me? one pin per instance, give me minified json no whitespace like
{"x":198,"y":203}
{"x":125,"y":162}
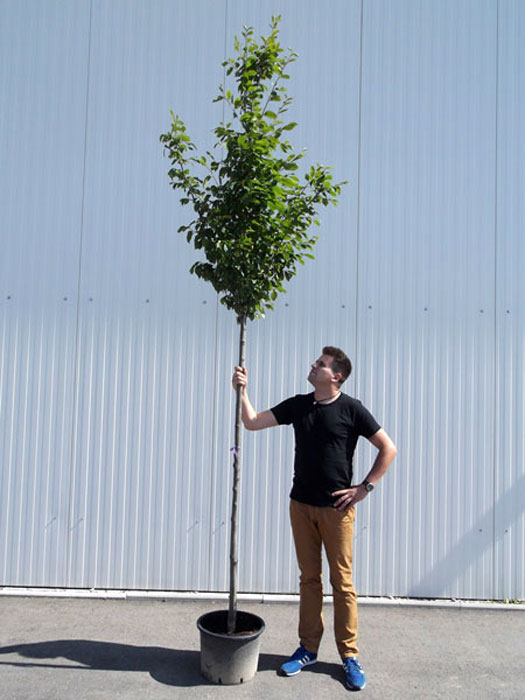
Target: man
{"x":327,"y":425}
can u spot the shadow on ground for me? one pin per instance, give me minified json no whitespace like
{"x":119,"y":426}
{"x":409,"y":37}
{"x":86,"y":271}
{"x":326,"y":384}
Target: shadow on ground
{"x":176,"y":667}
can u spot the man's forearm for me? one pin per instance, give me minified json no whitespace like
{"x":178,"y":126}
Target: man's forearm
{"x":248,"y":413}
{"x":249,"y":416}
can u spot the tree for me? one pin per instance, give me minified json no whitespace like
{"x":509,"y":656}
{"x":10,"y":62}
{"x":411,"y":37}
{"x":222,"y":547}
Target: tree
{"x":252,"y":210}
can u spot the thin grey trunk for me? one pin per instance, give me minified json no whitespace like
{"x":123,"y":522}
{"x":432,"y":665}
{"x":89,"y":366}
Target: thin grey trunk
{"x":234,"y":538}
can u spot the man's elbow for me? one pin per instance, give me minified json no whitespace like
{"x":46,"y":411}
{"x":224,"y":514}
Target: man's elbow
{"x":259,"y":421}
{"x":250,"y":423}
{"x":388,"y":450}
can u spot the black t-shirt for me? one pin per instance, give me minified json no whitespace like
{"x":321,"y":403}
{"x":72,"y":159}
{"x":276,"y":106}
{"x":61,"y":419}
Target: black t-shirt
{"x":325,"y":439}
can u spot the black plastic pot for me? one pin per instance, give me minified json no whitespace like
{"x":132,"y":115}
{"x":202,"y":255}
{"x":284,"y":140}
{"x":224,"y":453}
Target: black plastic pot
{"x":229,"y":659}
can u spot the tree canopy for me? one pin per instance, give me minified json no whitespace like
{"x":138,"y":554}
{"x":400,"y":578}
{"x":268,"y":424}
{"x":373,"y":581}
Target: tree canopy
{"x":253,"y":213}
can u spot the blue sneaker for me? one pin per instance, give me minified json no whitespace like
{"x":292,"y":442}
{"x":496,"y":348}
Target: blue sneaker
{"x":299,"y":659}
{"x":355,"y":676}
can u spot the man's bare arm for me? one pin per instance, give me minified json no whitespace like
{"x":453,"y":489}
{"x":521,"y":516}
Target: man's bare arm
{"x":250,"y":418}
{"x":385,"y":457}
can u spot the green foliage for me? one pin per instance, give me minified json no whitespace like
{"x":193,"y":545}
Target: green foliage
{"x":253,"y":213}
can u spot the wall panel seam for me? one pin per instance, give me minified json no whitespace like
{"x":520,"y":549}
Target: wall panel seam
{"x":214,"y":457}
{"x":76,"y":375}
{"x":496,"y":382}
{"x":358,"y":203}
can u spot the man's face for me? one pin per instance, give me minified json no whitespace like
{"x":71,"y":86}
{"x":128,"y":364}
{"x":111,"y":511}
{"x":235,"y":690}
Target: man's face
{"x":321,"y":373}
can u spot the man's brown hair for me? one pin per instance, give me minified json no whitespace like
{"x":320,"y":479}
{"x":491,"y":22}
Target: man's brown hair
{"x":340,"y":362}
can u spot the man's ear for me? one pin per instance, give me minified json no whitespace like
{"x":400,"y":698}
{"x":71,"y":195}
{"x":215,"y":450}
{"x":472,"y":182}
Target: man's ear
{"x":337,"y":376}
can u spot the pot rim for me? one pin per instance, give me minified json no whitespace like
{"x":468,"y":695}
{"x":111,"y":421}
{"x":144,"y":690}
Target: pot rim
{"x":225,"y":635}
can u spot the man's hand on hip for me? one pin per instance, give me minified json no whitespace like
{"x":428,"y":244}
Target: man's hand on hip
{"x":349,"y":497}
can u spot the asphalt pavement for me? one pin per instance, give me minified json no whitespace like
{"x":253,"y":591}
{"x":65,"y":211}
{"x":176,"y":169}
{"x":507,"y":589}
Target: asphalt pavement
{"x":62,"y":649}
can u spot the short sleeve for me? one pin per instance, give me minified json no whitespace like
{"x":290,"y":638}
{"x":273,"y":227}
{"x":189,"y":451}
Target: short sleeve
{"x":283,"y":412}
{"x":366,"y":423}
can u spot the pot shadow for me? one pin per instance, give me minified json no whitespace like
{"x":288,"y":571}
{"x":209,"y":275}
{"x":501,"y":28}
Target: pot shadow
{"x":175,"y":667}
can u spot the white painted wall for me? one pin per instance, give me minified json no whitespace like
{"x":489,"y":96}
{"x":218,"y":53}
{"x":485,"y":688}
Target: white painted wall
{"x":115,"y":406}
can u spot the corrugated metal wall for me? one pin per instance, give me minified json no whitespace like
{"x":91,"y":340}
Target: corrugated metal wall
{"x":115,"y":405}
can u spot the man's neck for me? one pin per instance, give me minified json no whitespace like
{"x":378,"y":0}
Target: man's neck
{"x":326,"y":394}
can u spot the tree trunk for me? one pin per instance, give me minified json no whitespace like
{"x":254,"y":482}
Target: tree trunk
{"x":234,"y":539}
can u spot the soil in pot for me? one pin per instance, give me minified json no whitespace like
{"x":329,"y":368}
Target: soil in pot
{"x":245,"y":623}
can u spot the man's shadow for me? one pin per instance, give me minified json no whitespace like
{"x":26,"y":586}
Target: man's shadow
{"x":176,"y":667}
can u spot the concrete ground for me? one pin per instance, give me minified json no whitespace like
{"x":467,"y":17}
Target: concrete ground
{"x":60,"y":649}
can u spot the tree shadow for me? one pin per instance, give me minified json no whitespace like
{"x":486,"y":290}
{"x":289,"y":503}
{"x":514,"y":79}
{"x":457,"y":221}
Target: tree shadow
{"x":180,"y":667}
{"x":175,"y":667}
